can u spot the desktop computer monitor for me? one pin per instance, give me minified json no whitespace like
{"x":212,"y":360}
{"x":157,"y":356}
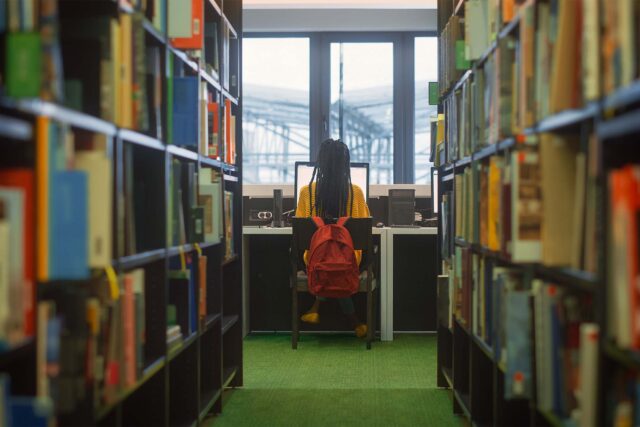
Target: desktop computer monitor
{"x":359,"y":177}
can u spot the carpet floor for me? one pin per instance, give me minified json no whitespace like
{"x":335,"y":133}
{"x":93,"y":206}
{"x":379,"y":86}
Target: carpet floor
{"x":335,"y":381}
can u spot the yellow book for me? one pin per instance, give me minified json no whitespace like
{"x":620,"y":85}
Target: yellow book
{"x":116,"y":48}
{"x":126,"y":63}
{"x":42,"y":197}
{"x":493,"y":213}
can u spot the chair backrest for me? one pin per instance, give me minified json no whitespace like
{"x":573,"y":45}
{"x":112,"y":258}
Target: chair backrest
{"x":303,"y":229}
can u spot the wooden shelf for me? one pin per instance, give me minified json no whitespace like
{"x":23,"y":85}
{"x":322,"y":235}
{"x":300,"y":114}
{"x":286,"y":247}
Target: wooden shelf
{"x":622,"y":126}
{"x":577,"y":280}
{"x":186,"y":343}
{"x":210,"y":400}
{"x":463,"y":401}
{"x":488,"y":351}
{"x":230,"y":260}
{"x":446,"y":372}
{"x":228,"y":322}
{"x":183,"y":153}
{"x":17,"y":351}
{"x":551,"y":418}
{"x":133,"y":261}
{"x":211,"y":320}
{"x":153,"y":31}
{"x":60,"y":114}
{"x":148,"y":373}
{"x":140,"y":139}
{"x":176,"y":250}
{"x":628,"y":358}
{"x":13,"y":128}
{"x":228,"y":374}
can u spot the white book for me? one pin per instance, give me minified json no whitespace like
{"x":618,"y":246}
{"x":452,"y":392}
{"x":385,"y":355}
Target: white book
{"x":13,"y":199}
{"x":590,"y":49}
{"x":588,"y":387}
{"x":180,"y":15}
{"x":210,"y":197}
{"x":475,"y":29}
{"x":526,"y":207}
{"x":97,"y":165}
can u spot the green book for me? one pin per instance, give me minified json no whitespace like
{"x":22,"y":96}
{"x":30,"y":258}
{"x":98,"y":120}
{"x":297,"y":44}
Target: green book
{"x":461,"y":62}
{"x":434,"y":94}
{"x":23,"y":64}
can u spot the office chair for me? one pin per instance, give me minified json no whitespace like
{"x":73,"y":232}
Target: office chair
{"x":360,"y":230}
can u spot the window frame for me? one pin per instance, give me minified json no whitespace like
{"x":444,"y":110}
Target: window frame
{"x":403,"y":88}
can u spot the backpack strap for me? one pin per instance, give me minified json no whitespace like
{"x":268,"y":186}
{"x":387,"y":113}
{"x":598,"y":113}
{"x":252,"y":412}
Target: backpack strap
{"x":342,"y":221}
{"x":318,"y":221}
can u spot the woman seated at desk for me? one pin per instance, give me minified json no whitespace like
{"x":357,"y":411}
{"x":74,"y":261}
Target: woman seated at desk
{"x":331,"y":194}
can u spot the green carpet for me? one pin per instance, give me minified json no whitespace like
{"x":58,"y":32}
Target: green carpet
{"x":334,"y":380}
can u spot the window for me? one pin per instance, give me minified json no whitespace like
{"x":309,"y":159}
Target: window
{"x":362,"y":104}
{"x":426,"y":70}
{"x":361,"y":87}
{"x":275,"y":108}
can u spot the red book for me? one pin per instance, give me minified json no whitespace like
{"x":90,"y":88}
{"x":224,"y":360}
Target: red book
{"x":25,"y":180}
{"x":196,"y":40}
{"x":228,"y":152}
{"x":129,"y":323}
{"x":202,"y":276}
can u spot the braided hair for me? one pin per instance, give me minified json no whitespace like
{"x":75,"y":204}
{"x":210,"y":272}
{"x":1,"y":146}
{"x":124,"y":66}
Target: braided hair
{"x":332,"y":175}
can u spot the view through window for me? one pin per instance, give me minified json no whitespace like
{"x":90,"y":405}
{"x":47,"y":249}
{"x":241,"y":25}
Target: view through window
{"x":426,"y":70}
{"x":275,"y":108}
{"x":362,"y":104}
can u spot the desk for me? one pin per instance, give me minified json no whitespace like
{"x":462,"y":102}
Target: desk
{"x":385,"y":281}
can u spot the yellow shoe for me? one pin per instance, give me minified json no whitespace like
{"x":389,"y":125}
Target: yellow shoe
{"x":361,"y":330}
{"x":313,"y":318}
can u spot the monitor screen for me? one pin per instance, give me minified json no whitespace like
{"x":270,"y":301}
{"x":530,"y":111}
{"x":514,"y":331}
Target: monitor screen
{"x":359,"y":177}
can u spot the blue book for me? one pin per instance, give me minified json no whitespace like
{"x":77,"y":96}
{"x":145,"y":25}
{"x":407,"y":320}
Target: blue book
{"x":30,"y":411}
{"x":68,"y":226}
{"x":185,"y":111}
{"x":498,"y":284}
{"x":518,"y":325}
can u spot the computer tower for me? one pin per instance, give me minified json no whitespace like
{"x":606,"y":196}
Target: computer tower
{"x":402,"y":204}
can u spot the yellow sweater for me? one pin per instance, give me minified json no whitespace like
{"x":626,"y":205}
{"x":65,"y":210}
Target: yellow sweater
{"x":359,"y":208}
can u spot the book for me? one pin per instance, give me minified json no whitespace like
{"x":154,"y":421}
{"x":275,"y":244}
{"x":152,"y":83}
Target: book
{"x":202,"y":285}
{"x":5,"y":277}
{"x":12,"y":309}
{"x":23,"y":62}
{"x":186,"y":23}
{"x":623,"y":298}
{"x":588,"y":386}
{"x":68,"y":226}
{"x":97,"y":166}
{"x":228,"y":225}
{"x":558,"y":157}
{"x":185,"y":112}
{"x":526,"y":214}
{"x":518,"y":377}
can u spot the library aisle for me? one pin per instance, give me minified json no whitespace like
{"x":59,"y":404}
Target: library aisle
{"x":331,"y":380}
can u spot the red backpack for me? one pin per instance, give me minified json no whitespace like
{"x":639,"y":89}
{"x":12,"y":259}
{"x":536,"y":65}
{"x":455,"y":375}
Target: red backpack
{"x":332,"y":269}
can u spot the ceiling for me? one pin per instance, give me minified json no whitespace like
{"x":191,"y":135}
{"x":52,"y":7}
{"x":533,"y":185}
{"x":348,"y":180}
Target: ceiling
{"x":340,"y":4}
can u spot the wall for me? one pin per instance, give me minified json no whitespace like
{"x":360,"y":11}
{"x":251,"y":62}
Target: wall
{"x":307,"y":20}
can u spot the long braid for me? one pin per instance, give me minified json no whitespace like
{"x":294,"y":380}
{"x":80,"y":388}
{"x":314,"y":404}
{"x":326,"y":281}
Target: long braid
{"x":332,"y":176}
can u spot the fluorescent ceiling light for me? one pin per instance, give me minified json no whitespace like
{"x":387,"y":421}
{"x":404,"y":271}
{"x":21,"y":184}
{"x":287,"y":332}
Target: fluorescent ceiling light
{"x":340,"y":4}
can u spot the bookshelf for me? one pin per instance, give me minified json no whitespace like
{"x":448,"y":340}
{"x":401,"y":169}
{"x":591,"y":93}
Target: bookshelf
{"x":535,"y":178}
{"x":143,"y":326}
